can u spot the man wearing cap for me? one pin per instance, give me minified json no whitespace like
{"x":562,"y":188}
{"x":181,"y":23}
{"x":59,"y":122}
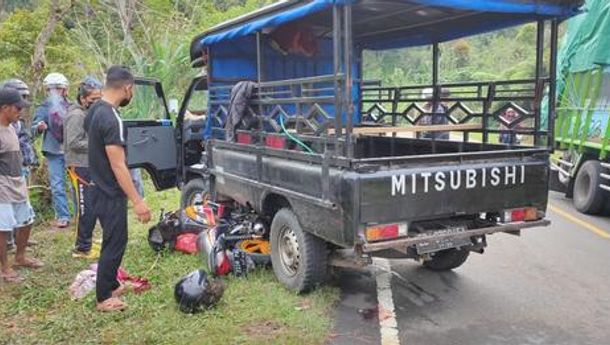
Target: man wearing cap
{"x":48,"y":122}
{"x":16,"y":213}
{"x":28,"y":153}
{"x":30,"y":159}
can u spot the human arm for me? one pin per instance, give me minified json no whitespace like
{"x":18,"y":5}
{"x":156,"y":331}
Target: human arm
{"x":39,"y":123}
{"x":116,"y":157}
{"x":76,"y":137}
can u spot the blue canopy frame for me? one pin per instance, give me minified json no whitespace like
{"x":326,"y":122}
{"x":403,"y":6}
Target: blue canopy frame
{"x":290,"y":11}
{"x":345,"y":28}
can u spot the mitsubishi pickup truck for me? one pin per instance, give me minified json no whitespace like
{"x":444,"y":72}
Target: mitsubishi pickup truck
{"x":283,"y":122}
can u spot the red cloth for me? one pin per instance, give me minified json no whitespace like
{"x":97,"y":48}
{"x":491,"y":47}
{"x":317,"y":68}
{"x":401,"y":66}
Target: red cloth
{"x":138,"y":284}
{"x":187,"y":243}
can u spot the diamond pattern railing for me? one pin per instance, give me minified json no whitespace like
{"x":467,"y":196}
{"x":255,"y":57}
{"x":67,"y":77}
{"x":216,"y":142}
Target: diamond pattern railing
{"x":301,"y":103}
{"x":466,"y":103}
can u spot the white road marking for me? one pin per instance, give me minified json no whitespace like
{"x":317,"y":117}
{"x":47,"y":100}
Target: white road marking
{"x":387,"y":317}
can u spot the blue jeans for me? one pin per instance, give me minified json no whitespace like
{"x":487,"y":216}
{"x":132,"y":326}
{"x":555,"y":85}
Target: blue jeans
{"x":57,"y":179}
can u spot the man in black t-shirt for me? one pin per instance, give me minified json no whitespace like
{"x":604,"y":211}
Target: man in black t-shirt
{"x":111,"y":183}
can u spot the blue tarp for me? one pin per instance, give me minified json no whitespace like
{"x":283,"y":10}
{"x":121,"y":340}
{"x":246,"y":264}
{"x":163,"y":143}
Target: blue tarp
{"x":529,"y":9}
{"x":502,"y":6}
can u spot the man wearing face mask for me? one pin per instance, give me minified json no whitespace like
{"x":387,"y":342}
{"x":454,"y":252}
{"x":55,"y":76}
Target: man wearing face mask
{"x":48,"y":122}
{"x":76,"y":155}
{"x":111,"y":183}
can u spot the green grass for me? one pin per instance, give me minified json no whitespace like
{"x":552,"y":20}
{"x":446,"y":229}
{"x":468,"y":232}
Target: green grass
{"x":254,"y":310}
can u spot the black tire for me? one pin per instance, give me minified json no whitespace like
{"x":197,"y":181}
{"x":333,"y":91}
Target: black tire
{"x":446,"y":260}
{"x":588,"y":197}
{"x":311,"y":266}
{"x":194,"y":191}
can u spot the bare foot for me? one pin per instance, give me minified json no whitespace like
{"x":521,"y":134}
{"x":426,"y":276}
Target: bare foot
{"x":111,"y":304}
{"x":120,"y":291}
{"x":28,"y":263}
{"x":10,"y":276}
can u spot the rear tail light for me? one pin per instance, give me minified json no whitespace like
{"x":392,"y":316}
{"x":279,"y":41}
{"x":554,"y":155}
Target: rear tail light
{"x":244,"y":138}
{"x":521,"y":215}
{"x":276,"y":142}
{"x":386,"y":231}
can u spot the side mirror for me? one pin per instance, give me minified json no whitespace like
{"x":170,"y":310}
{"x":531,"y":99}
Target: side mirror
{"x":172,"y":106}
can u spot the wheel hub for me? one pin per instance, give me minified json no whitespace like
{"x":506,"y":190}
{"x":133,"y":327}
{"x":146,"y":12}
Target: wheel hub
{"x":289,"y":251}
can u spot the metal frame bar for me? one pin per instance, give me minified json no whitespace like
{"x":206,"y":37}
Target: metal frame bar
{"x":553,"y":84}
{"x":347,"y":64}
{"x":539,"y":71}
{"x":337,"y":71}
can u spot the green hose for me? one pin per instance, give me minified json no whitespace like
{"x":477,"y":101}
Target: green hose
{"x":293,"y":138}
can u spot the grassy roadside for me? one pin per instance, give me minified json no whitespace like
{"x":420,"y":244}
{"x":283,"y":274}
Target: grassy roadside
{"x":254,"y":310}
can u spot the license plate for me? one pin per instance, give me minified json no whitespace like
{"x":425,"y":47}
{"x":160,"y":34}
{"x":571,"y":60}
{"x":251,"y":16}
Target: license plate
{"x":445,"y":243}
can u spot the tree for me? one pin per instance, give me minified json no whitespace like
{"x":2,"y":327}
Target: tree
{"x":57,"y":12}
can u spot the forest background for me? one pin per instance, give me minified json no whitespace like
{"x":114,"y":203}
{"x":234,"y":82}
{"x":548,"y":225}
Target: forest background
{"x":84,"y":37}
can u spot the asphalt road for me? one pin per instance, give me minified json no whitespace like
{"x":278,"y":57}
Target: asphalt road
{"x":549,"y":286}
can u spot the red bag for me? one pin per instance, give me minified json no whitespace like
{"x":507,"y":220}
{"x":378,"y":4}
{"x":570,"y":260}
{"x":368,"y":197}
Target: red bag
{"x":186,"y":243}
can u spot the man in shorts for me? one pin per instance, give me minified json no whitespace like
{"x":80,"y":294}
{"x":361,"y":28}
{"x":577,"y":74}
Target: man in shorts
{"x":16,"y":214}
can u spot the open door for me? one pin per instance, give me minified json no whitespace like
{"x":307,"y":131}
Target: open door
{"x":151,"y":140}
{"x":191,"y":123}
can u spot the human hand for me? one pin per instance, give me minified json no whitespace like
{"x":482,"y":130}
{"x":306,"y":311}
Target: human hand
{"x":142,"y":212}
{"x":42,"y":126}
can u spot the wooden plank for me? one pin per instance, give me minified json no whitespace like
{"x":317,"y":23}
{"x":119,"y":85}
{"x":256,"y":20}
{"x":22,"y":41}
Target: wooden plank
{"x":399,"y":129}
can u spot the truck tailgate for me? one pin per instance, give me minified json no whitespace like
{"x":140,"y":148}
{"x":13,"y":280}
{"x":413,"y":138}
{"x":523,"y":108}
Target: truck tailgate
{"x":419,"y":192}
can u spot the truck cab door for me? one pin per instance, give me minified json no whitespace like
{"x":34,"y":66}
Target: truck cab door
{"x":191,"y":124}
{"x":151,"y":141}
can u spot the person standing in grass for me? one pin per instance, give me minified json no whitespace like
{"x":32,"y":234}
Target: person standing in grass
{"x":48,"y":122}
{"x":111,"y":183}
{"x":16,"y":213}
{"x":76,"y":155}
{"x":30,"y":159}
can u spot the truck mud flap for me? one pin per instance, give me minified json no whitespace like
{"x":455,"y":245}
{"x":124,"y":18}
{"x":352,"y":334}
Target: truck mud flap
{"x":401,"y":244}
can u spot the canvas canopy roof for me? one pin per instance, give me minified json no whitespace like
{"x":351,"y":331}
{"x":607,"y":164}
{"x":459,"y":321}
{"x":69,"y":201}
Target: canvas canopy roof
{"x":587,"y":42}
{"x":379,"y":24}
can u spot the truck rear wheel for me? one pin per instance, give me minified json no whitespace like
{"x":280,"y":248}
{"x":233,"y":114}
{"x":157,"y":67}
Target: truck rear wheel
{"x":194,"y":192}
{"x":588,"y":197}
{"x":446,"y":260}
{"x":299,"y":259}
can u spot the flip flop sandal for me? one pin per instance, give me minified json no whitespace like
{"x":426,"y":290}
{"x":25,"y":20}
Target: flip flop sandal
{"x":30,"y":263}
{"x":12,"y":278}
{"x":111,"y":304}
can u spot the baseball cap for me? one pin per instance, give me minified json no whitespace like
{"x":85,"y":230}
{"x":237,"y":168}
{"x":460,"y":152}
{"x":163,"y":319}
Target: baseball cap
{"x":10,"y":96}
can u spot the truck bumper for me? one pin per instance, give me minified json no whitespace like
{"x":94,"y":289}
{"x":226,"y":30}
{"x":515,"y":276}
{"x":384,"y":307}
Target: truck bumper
{"x":401,"y":244}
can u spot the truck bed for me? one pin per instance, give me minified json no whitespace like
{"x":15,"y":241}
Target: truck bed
{"x":389,"y":180}
{"x":378,"y":147}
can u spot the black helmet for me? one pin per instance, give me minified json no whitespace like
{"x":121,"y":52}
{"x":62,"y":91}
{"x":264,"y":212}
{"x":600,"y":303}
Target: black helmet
{"x":196,"y":292}
{"x":18,"y":85}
